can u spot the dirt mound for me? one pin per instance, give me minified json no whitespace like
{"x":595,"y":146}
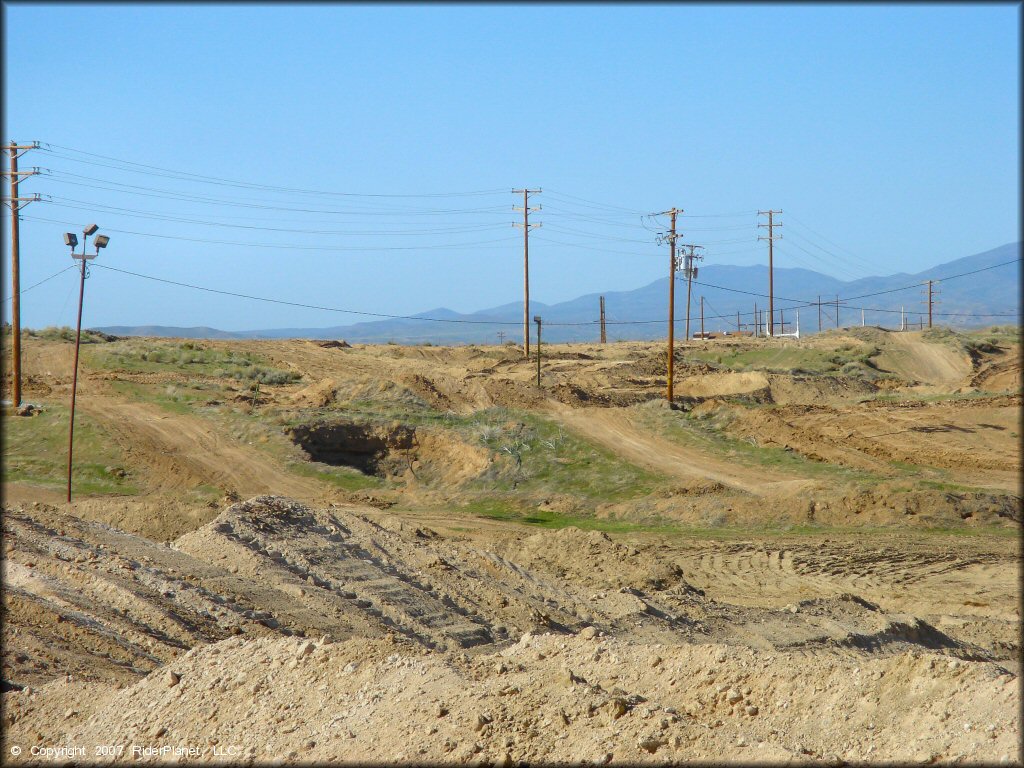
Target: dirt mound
{"x":428,"y":390}
{"x":548,"y":698}
{"x":816,"y":390}
{"x":999,"y":375}
{"x":510,"y":393}
{"x":723,"y":384}
{"x":592,"y":558}
{"x":917,"y":360}
{"x":317,"y":395}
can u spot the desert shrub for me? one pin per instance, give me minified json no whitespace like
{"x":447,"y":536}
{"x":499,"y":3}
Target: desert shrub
{"x":272,"y":376}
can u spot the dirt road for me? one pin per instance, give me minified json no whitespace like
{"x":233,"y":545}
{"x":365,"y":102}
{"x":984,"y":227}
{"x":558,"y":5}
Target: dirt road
{"x":180,"y":452}
{"x":617,"y":431}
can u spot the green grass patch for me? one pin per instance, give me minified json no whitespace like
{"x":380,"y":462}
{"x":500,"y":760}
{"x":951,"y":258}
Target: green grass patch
{"x":345,"y":478}
{"x":35,"y":452}
{"x":846,"y":359}
{"x":64,"y":333}
{"x":173,"y":398}
{"x":705,"y":431}
{"x":538,"y":457}
{"x":184,"y":357}
{"x":514,"y":511}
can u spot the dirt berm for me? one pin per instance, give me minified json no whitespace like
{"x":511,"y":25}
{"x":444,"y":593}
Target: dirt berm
{"x":285,"y":633}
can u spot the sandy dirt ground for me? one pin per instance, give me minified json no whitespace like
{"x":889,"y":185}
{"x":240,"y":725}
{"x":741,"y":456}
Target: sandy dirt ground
{"x":290,"y":620}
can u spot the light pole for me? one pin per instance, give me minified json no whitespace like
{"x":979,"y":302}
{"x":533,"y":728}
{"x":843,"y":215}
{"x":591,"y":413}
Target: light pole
{"x":70,"y":239}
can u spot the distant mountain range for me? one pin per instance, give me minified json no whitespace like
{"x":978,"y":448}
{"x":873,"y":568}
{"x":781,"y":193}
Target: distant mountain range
{"x":642,"y":313}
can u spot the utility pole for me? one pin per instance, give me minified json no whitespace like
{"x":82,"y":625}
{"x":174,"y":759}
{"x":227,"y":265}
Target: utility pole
{"x":782,"y":319}
{"x":604,"y":335}
{"x":501,"y":337}
{"x":757,"y":325}
{"x":702,"y":317}
{"x":771,"y":288}
{"x":819,"y":314}
{"x":17,"y":203}
{"x":690,"y":273}
{"x":536,"y":319}
{"x":672,"y":267}
{"x":738,"y":328}
{"x":862,"y":317}
{"x":837,"y":310}
{"x":526,"y":225}
{"x":903,"y":318}
{"x":930,"y":302}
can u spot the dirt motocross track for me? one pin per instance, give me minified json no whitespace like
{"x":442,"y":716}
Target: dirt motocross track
{"x":414,"y":555}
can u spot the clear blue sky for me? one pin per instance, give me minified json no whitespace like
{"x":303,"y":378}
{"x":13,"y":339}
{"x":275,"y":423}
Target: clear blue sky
{"x":888,"y":135}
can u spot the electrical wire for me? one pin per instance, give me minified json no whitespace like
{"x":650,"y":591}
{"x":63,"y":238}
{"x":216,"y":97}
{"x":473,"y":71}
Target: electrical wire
{"x":67,"y":202}
{"x":423,"y":318}
{"x":291,"y":246}
{"x":184,"y":175}
{"x":134,"y":189}
{"x":23,"y":291}
{"x":301,"y":305}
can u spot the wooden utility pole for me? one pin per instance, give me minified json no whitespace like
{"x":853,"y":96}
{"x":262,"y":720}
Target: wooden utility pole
{"x":702,"y":317}
{"x":757,"y":324}
{"x":771,"y":287}
{"x":526,"y":225}
{"x":930,"y":303}
{"x":536,"y":319}
{"x":738,"y":327}
{"x":837,"y":310}
{"x":819,"y":314}
{"x":17,"y":203}
{"x":501,"y":337}
{"x":672,"y":267}
{"x":604,"y":335}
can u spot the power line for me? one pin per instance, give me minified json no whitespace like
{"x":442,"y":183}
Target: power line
{"x":801,"y":303}
{"x":153,"y":170}
{"x":301,"y":305}
{"x":135,"y":213}
{"x":290,"y":246}
{"x":45,"y":280}
{"x":593,"y":204}
{"x":441,"y":319}
{"x":258,"y":203}
{"x":937,"y":279}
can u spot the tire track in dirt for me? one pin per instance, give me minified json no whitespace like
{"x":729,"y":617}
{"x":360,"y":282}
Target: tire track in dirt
{"x":751,"y":574}
{"x":613,"y":428}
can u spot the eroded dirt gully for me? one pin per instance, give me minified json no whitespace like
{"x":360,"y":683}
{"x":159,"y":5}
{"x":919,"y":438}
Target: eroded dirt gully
{"x":300,"y":626}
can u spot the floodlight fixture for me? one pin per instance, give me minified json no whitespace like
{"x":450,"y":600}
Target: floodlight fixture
{"x":70,"y":238}
{"x":101,"y":241}
{"x":90,"y":230}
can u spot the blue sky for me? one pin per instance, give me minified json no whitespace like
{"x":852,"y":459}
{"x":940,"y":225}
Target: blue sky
{"x":887,"y":134}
